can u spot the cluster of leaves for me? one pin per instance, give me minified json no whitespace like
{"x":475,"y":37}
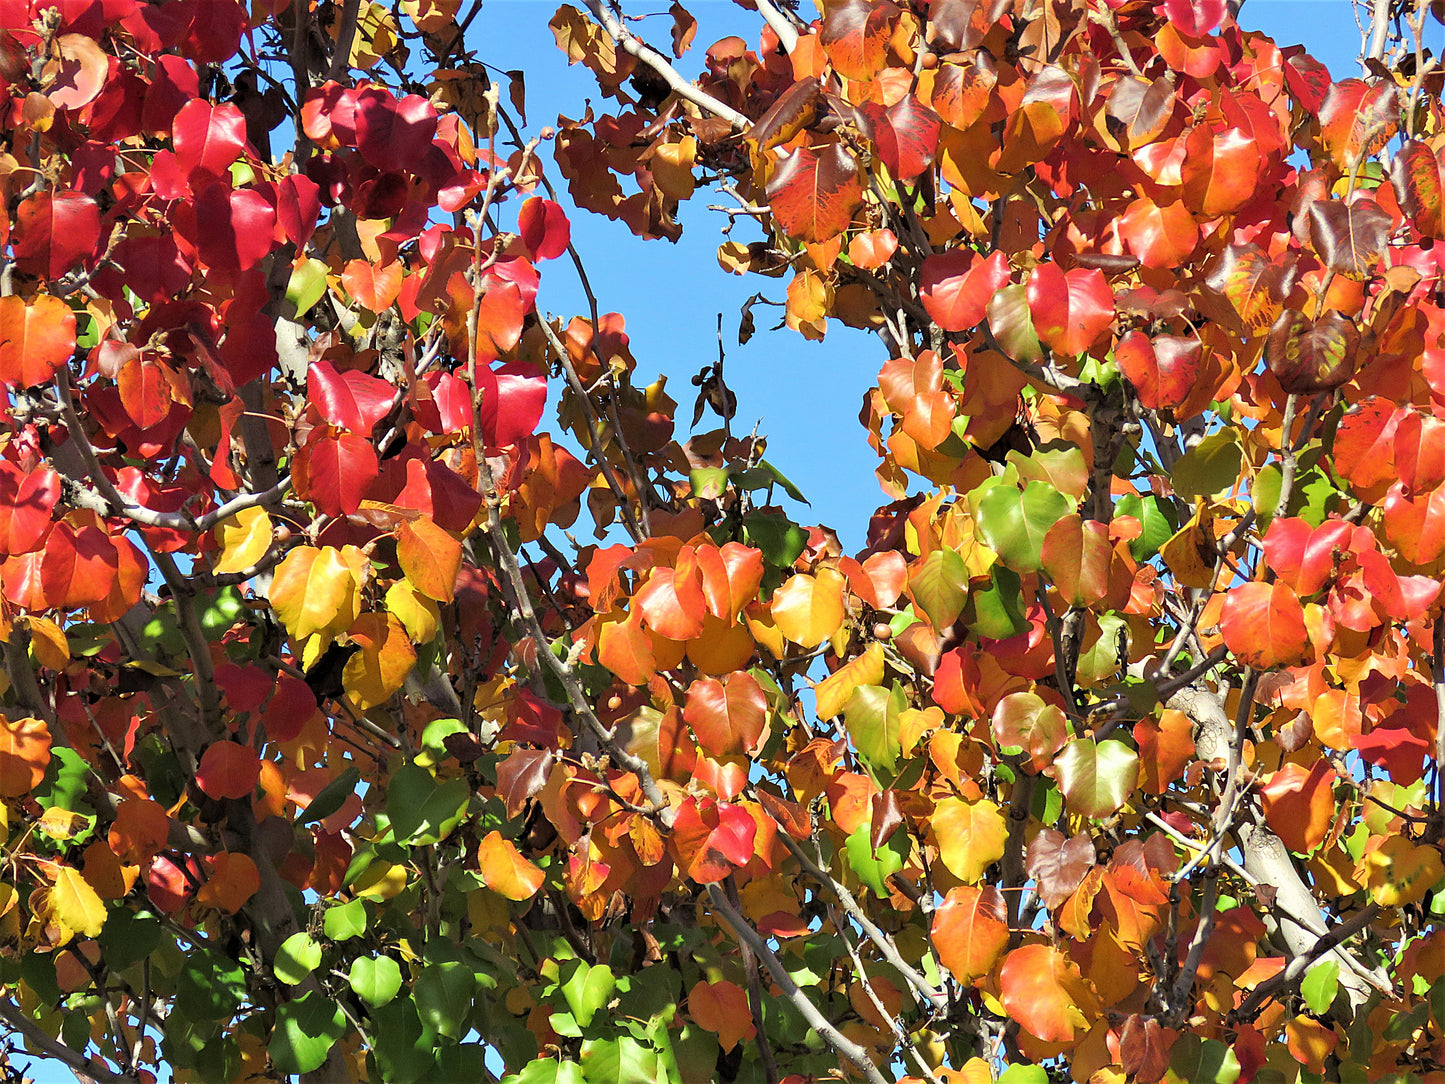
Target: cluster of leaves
{"x":1117,"y":751}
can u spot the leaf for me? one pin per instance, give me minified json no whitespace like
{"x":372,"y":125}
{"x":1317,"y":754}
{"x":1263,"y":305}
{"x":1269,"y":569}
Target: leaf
{"x":1357,"y":118}
{"x":244,"y":538}
{"x":1264,"y":626}
{"x":1070,"y":309}
{"x":207,"y":139}
{"x":957,"y":285}
{"x":906,"y":135}
{"x":330,"y":798}
{"x":73,"y":905}
{"x":873,"y":864}
{"x":1140,"y":109}
{"x":306,"y":1030}
{"x":1299,"y":804}
{"x":1078,"y":556}
{"x":855,"y":36}
{"x":809,"y":609}
{"x":1163,"y":370}
{"x":430,"y":558}
{"x":913,"y":389}
{"x":375,"y":286}
{"x":971,"y":836}
{"x":962,"y":91}
{"x":1010,"y":320}
{"x":53,"y":232}
{"x":938,"y":585}
{"x":721,"y":1007}
{"x":1058,"y":865}
{"x":76,"y":72}
{"x":1221,"y":170}
{"x":443,"y":994}
{"x":1363,"y":450}
{"x":970,"y":931}
{"x":374,"y":979}
{"x":814,"y":192}
{"x":316,"y":589}
{"x":1401,"y":872}
{"x":1307,"y":356}
{"x":228,"y":770}
{"x":1350,"y":237}
{"x":1320,"y":985}
{"x":873,"y":721}
{"x":37,"y":337}
{"x":344,"y":922}
{"x":1026,"y":721}
{"x":24,"y":755}
{"x":505,"y":871}
{"x":544,"y":228}
{"x":1419,"y":188}
{"x":1096,"y":778}
{"x":350,"y":400}
{"x":1161,"y":236}
{"x":234,"y":880}
{"x":1195,"y":18}
{"x":1042,"y":989}
{"x":728,"y":716}
{"x":296,"y":958}
{"x":1211,"y":466}
{"x":1015,"y":523}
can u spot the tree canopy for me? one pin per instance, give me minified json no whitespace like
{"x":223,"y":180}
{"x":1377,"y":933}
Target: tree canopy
{"x":396,"y":688}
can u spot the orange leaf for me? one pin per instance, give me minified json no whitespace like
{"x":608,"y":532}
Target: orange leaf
{"x":1264,"y":625}
{"x":1043,"y":990}
{"x":37,"y":337}
{"x":505,"y":871}
{"x":970,"y":931}
{"x":375,"y":287}
{"x":727,"y":716}
{"x":228,"y":770}
{"x":24,"y":755}
{"x":430,"y":558}
{"x":381,"y":666}
{"x":722,"y":1008}
{"x":140,"y":830}
{"x":234,"y":880}
{"x":1299,"y":804}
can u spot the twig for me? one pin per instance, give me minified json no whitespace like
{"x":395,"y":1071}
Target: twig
{"x":1300,"y":964}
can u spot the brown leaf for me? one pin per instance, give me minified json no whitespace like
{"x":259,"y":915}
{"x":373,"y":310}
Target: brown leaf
{"x":1349,"y":237}
{"x":1059,"y":865}
{"x":814,"y":192}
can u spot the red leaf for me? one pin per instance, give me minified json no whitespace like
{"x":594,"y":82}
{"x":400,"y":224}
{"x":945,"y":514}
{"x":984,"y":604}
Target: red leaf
{"x":1195,"y":18}
{"x":334,"y":472}
{"x":1221,"y":170}
{"x":26,"y":501}
{"x":1042,"y":989}
{"x":1307,"y":356}
{"x":906,"y":134}
{"x":913,"y":389}
{"x":711,"y":839}
{"x":544,"y":228}
{"x":1305,"y":557}
{"x":970,"y":931}
{"x":956,"y":286}
{"x":391,"y":134}
{"x":815,"y":192}
{"x":1163,"y":371}
{"x":513,"y":399}
{"x":1069,"y":310}
{"x":37,"y":337}
{"x":1162,"y":237}
{"x":1358,"y":118}
{"x":1078,"y":555}
{"x":78,"y":566}
{"x":54,"y":233}
{"x":1420,"y":451}
{"x":231,"y":230}
{"x":208,"y":138}
{"x":672,"y":602}
{"x":1364,"y":448}
{"x":1419,"y":188}
{"x":228,"y":770}
{"x":1264,"y":626}
{"x":350,"y":400}
{"x":1416,"y":526}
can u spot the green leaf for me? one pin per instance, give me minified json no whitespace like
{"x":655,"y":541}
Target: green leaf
{"x":1321,"y":983}
{"x":1202,"y":1061}
{"x":1264,"y":494}
{"x":618,"y":1061}
{"x":298,"y":956}
{"x":588,"y":989}
{"x":331,"y":798}
{"x":872,"y":867}
{"x":434,"y":741}
{"x":307,"y":285}
{"x":1210,"y":467}
{"x":1024,"y":1074}
{"x":1013,"y":325}
{"x":1096,"y":779}
{"x":939,"y":586}
{"x":998,"y":610}
{"x":306,"y":1030}
{"x":871,"y":715}
{"x":778,"y":476}
{"x":1157,"y":519}
{"x":1014,"y":523}
{"x":210,"y":986}
{"x":421,"y":810}
{"x":547,"y":1071}
{"x":406,"y":1049}
{"x":128,"y":938}
{"x":780,"y":539}
{"x":1405,"y":1024}
{"x":709,"y":483}
{"x":374,"y":979}
{"x":345,"y":922}
{"x":444,"y":997}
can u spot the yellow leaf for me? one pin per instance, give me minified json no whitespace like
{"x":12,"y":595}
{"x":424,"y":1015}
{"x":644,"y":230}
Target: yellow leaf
{"x":809,"y":608}
{"x":61,"y":824}
{"x":834,"y":690}
{"x":1399,"y":872}
{"x":375,"y":36}
{"x":381,"y":666}
{"x":971,"y":836}
{"x":380,"y":881}
{"x":48,"y":645}
{"x":418,"y":614}
{"x":318,"y":590}
{"x":505,"y":870}
{"x":244,"y":540}
{"x":73,"y":905}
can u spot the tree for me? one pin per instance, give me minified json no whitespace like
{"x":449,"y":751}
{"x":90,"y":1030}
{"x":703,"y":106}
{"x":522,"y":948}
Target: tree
{"x":326,"y":751}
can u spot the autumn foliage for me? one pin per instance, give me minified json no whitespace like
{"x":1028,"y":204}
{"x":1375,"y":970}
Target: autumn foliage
{"x":332,"y":746}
